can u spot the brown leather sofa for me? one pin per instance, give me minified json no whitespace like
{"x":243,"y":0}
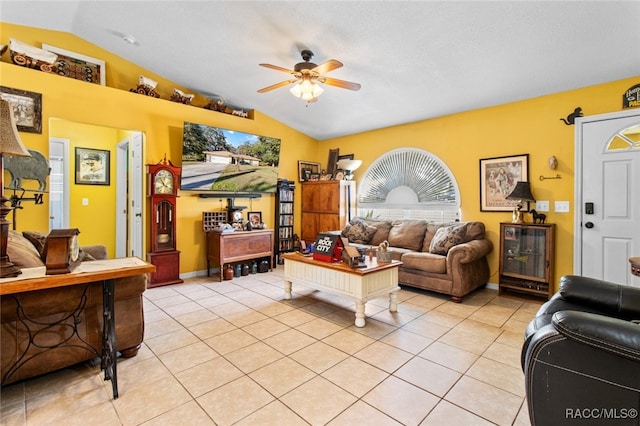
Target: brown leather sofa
{"x":77,"y":333}
{"x":449,"y":258}
{"x":581,"y":355}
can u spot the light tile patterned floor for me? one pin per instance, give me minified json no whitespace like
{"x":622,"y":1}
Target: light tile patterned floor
{"x":235,"y":352}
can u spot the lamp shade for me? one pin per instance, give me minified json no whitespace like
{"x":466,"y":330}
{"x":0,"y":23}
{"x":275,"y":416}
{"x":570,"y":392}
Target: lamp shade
{"x":522,"y":192}
{"x":10,"y":143}
{"x":349,"y":165}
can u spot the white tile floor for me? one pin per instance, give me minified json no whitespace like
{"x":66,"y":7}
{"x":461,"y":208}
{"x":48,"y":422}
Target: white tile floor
{"x":236,"y":352}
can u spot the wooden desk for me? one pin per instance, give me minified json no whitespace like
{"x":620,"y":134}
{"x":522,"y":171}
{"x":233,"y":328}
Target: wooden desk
{"x":234,"y":247}
{"x":106,"y":271}
{"x":358,"y":284}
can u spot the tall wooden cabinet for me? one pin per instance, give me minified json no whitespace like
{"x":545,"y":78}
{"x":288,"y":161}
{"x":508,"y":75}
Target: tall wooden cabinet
{"x":326,"y":206}
{"x":284,"y":241}
{"x":527,"y":258}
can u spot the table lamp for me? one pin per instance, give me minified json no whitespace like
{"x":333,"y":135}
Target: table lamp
{"x":522,"y":193}
{"x":10,"y":144}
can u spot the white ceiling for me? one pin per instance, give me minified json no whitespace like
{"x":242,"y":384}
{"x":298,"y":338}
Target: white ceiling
{"x":415,"y":59}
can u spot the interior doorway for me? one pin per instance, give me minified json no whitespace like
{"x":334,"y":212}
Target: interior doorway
{"x":607,"y":196}
{"x":59,"y":183}
{"x":129,"y":229}
{"x":126,"y":148}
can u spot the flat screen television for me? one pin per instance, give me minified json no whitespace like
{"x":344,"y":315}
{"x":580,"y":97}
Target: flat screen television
{"x":227,"y":161}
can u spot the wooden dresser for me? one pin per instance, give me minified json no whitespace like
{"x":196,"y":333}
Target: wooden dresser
{"x":325,"y":206}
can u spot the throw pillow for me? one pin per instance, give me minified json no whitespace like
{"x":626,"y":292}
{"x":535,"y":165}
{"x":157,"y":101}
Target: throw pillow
{"x":38,"y":239}
{"x":361,"y":233}
{"x":407,"y":234}
{"x":21,"y":252}
{"x":447,"y":237}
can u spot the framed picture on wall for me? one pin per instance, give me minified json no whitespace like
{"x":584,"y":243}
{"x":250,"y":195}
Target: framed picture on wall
{"x":92,"y":166}
{"x":78,"y":66}
{"x":332,"y":160}
{"x":27,"y":108}
{"x":255,"y":218}
{"x":306,"y":169}
{"x":498,"y":177}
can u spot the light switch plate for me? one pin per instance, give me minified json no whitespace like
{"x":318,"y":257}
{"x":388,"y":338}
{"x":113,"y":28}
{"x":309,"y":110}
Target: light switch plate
{"x":85,"y":201}
{"x":542,"y":206}
{"x":562,"y":207}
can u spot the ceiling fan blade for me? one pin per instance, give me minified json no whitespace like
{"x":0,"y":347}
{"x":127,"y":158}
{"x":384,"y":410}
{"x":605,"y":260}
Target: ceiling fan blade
{"x":325,"y":67}
{"x":277,"y":68}
{"x":277,"y":85}
{"x":339,"y":83}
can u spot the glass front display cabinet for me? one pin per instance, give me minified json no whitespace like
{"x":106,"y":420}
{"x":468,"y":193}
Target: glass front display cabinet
{"x":527,"y":258}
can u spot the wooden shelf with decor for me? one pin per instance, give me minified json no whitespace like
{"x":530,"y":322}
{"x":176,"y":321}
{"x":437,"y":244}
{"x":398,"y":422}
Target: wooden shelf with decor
{"x":326,"y":206}
{"x":527,"y":258}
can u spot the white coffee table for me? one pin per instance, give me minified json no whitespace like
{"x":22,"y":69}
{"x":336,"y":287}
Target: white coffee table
{"x":359,"y":285}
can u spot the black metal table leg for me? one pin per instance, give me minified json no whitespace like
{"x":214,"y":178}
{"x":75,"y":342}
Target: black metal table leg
{"x":109,"y":353}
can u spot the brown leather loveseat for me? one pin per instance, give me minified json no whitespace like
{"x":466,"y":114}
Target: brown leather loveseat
{"x":76,"y":312}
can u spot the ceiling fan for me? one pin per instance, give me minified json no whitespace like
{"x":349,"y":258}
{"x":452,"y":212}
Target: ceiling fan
{"x":307,"y":74}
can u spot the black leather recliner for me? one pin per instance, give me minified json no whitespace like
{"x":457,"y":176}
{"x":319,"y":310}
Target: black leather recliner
{"x":581,"y":355}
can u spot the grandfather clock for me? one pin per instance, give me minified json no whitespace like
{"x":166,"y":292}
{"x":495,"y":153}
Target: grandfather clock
{"x":163,"y":189}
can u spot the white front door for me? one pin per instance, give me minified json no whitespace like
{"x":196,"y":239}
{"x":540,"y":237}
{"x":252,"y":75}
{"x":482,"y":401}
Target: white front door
{"x":607,"y":213}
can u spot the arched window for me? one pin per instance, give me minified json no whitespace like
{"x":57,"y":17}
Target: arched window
{"x":409,"y":183}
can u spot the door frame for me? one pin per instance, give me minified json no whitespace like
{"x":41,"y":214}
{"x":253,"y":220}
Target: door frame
{"x":129,"y":197}
{"x":578,"y":178}
{"x":66,"y":179}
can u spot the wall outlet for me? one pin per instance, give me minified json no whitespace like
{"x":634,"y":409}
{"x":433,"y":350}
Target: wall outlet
{"x":542,"y":206}
{"x":562,"y":207}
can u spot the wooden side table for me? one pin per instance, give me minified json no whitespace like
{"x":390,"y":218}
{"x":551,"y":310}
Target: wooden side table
{"x":238,"y":246}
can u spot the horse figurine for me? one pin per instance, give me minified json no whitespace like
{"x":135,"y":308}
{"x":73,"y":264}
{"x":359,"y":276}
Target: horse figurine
{"x":538,"y":217}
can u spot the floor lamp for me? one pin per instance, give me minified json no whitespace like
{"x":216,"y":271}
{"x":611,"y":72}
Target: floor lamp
{"x":349,"y":166}
{"x":10,"y":144}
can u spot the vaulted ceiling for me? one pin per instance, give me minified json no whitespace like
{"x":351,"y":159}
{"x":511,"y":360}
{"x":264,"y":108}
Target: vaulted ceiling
{"x":415,"y":60}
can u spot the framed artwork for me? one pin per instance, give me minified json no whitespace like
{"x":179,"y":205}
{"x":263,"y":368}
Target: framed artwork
{"x":333,"y":159}
{"x":78,"y":66}
{"x":498,"y":177}
{"x":27,"y":108}
{"x":255,"y":219}
{"x":306,"y":169}
{"x":92,"y":166}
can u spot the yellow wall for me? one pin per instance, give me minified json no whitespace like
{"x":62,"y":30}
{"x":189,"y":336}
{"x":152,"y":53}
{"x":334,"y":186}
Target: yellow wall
{"x":531,"y":127}
{"x":160,"y":120}
{"x":100,"y":198}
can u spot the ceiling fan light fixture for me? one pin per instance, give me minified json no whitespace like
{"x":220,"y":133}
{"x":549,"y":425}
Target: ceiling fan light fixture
{"x":306,"y":90}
